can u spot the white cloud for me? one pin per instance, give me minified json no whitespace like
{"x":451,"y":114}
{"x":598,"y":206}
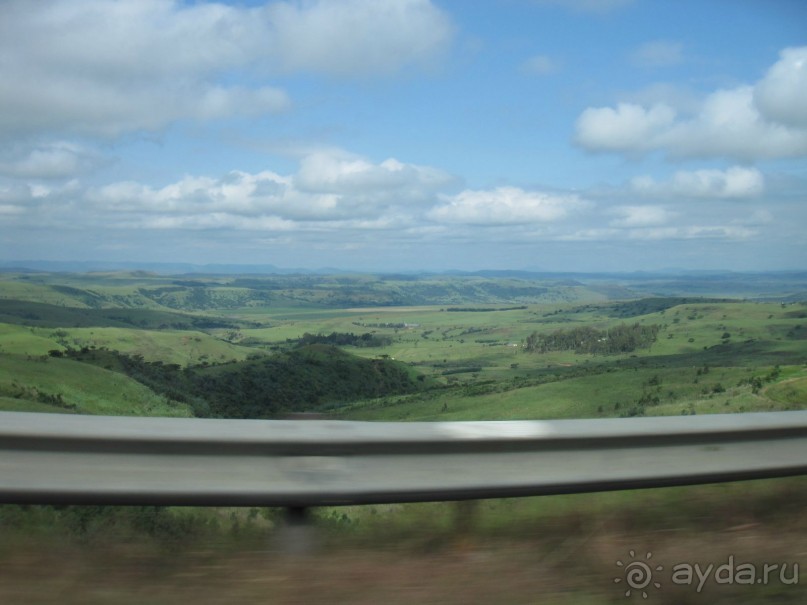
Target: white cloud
{"x":49,"y":161}
{"x":355,"y":36}
{"x":8,"y":209}
{"x":782,"y":94}
{"x":736,"y":182}
{"x":659,"y":53}
{"x":661,"y":233}
{"x":505,"y":206}
{"x":629,"y":127}
{"x":339,"y":171}
{"x":728,"y":123}
{"x":105,"y":68}
{"x":328,"y":188}
{"x":640,"y":216}
{"x":692,"y":232}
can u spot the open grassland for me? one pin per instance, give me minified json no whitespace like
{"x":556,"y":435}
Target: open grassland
{"x":656,"y":392}
{"x":181,"y":347}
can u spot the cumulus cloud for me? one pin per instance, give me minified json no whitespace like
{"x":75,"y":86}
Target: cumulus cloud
{"x":104,"y":68}
{"x":736,"y":182}
{"x":782,"y":94}
{"x":505,"y":206}
{"x":55,"y":160}
{"x":330,"y":171}
{"x":37,"y":204}
{"x":355,"y":36}
{"x":746,"y":123}
{"x":326,"y":191}
{"x":629,"y":127}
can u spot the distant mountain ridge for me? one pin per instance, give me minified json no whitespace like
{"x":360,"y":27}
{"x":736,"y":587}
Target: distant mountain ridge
{"x":768,"y":285}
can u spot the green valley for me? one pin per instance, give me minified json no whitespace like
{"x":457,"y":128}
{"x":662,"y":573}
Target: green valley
{"x":398,"y":347}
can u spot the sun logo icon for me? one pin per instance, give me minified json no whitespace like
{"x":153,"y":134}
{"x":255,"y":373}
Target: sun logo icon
{"x":638,"y":574}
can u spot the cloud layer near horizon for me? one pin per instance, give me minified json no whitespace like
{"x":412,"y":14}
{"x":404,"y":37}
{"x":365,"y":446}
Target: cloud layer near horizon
{"x":335,"y":195}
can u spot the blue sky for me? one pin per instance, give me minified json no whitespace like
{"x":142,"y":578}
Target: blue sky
{"x":568,"y":135}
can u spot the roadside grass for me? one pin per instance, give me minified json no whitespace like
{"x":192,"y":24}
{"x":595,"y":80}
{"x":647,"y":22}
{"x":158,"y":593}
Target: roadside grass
{"x":712,"y":507}
{"x":552,"y":549}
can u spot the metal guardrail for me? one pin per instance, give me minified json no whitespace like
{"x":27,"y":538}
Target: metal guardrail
{"x":52,"y":458}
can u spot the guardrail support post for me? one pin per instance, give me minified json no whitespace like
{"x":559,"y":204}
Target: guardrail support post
{"x":297,"y":535}
{"x":297,"y":515}
{"x":465,"y":514}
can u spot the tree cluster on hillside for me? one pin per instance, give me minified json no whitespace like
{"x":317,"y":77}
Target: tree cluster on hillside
{"x":483,"y":309}
{"x":300,"y":380}
{"x":645,"y":306}
{"x":341,"y":339}
{"x":623,"y":338}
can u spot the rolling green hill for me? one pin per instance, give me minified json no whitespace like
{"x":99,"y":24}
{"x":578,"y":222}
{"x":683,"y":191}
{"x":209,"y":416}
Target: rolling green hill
{"x":66,"y":385}
{"x":171,"y":346}
{"x":305,"y":379}
{"x":44,"y":315}
{"x":218,"y":293}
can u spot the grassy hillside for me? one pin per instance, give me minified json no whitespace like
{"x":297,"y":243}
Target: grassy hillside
{"x":308,"y":378}
{"x":170,"y":346}
{"x":652,"y":392}
{"x":50,"y":384}
{"x":708,"y":357}
{"x":29,"y":313}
